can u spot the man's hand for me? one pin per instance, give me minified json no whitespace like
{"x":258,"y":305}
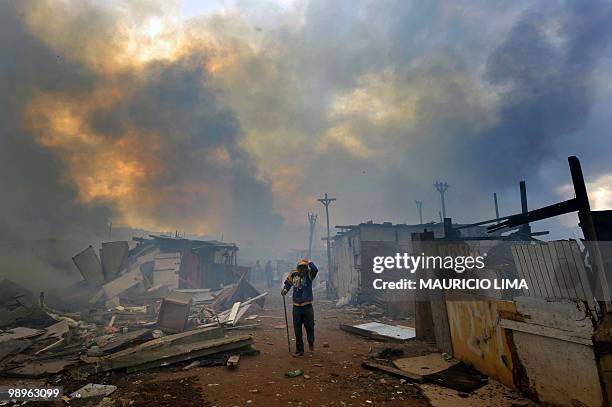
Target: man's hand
{"x":284,"y":292}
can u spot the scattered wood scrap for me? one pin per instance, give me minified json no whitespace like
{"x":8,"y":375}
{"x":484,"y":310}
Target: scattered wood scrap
{"x":13,"y":347}
{"x":176,"y":348}
{"x":123,"y":341}
{"x":424,"y":365}
{"x":233,"y":360}
{"x":167,"y":356}
{"x":19,"y":333}
{"x":434,"y":368}
{"x":233,"y":313}
{"x":239,"y":292}
{"x":43,"y":368}
{"x":57,"y":330}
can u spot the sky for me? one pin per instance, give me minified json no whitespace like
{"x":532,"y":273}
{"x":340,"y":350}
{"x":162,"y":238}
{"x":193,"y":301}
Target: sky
{"x":230,"y":118}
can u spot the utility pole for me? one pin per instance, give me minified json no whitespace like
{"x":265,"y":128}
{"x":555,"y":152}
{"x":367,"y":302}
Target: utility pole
{"x":526,"y":228}
{"x":419,"y":205}
{"x":326,"y":201}
{"x":312,"y":221}
{"x":441,"y":187}
{"x":496,"y":206}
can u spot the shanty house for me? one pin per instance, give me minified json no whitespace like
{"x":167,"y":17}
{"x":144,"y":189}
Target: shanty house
{"x":187,"y":263}
{"x":353,"y":250}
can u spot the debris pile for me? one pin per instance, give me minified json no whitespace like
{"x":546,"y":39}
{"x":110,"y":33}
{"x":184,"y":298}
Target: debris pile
{"x":127,"y":314}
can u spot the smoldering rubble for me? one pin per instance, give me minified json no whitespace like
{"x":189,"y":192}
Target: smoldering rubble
{"x":128,"y":313}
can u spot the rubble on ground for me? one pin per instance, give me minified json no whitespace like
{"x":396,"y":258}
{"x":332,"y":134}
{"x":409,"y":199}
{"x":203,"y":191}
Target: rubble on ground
{"x":118,"y":318}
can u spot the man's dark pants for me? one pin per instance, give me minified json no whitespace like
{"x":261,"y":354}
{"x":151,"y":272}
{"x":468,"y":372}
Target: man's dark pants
{"x":303,"y":315}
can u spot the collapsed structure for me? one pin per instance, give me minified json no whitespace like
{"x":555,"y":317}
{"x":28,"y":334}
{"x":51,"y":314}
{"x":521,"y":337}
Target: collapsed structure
{"x":166,"y":301}
{"x":159,"y":263}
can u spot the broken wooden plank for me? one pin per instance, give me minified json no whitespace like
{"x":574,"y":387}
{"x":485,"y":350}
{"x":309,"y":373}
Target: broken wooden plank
{"x":179,"y":353}
{"x":123,"y":341}
{"x":256,"y":299}
{"x":13,"y":347}
{"x":424,"y":365}
{"x":20,"y":333}
{"x":393,"y":371}
{"x":233,"y":313}
{"x":224,"y":315}
{"x":57,"y":330}
{"x":122,"y":283}
{"x":193,"y":364}
{"x":187,"y":337}
{"x":240,"y":313}
{"x":54,"y":345}
{"x":36,"y":369}
{"x":242,"y":327}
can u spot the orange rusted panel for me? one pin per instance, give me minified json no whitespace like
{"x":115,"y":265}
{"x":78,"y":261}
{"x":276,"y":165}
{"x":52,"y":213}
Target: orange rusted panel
{"x":478,"y":339}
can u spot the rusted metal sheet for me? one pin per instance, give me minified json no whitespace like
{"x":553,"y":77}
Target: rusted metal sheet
{"x":477,"y":338}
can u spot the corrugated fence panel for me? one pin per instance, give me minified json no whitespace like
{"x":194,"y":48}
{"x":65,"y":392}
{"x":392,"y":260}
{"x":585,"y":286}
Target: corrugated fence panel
{"x":553,"y":270}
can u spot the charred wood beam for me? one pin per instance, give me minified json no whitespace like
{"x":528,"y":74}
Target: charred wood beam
{"x":550,"y":211}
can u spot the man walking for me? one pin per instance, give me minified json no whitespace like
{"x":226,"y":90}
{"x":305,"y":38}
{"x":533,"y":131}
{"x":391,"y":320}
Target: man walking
{"x":303,"y":313}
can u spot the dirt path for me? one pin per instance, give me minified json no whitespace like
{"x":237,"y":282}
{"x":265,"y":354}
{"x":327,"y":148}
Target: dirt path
{"x":333,"y":375}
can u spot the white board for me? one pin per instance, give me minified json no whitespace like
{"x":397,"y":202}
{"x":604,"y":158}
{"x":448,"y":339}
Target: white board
{"x":392,"y":331}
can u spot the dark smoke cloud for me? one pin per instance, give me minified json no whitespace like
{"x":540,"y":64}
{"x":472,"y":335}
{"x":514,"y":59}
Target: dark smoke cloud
{"x":43,"y":223}
{"x":40,"y":222}
{"x":545,"y":66}
{"x":178,"y":101}
{"x":498,"y":89}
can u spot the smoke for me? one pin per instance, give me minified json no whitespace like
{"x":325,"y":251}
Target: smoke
{"x":373,"y":102}
{"x":90,"y":136}
{"x":40,"y":219}
{"x":545,"y":68}
{"x":235,"y":121}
